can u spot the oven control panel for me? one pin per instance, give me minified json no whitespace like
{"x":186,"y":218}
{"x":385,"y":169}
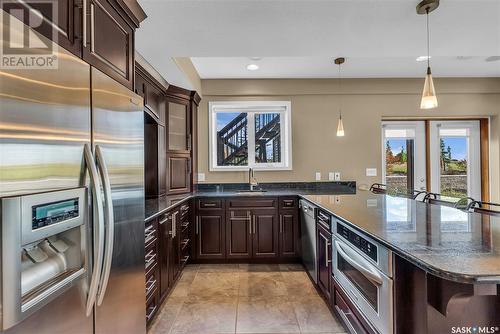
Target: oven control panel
{"x":358,"y":241}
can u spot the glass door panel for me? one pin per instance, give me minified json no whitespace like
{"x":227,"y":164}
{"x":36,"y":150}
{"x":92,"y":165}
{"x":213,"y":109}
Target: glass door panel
{"x":455,"y":160}
{"x":177,"y":127}
{"x":403,"y":155}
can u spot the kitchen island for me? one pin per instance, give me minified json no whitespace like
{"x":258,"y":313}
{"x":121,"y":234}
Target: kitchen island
{"x":446,"y":262}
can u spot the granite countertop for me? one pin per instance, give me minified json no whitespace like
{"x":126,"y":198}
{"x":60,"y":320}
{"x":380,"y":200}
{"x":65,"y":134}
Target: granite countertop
{"x":452,"y":244}
{"x":158,"y":205}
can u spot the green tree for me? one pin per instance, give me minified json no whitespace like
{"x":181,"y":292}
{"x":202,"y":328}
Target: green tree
{"x":443,"y":154}
{"x":389,"y":156}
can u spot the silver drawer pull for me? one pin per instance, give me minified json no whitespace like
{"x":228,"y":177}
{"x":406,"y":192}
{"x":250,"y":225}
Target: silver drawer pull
{"x":150,"y":284}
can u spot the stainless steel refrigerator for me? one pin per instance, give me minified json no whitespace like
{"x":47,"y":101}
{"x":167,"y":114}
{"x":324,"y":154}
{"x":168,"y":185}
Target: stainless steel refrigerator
{"x":71,"y":201}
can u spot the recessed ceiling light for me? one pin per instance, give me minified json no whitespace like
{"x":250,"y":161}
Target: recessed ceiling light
{"x":255,"y":58}
{"x":423,"y":58}
{"x":252,"y":67}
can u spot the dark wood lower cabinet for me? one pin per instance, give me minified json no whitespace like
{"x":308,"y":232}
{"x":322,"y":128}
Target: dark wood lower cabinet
{"x":324,"y":264}
{"x":210,"y":234}
{"x":265,"y":233}
{"x":289,"y":237}
{"x":168,"y":242}
{"x":239,"y":234}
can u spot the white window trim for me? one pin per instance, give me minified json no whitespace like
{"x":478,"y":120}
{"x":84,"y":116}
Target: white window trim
{"x":419,"y":154}
{"x":285,"y":110}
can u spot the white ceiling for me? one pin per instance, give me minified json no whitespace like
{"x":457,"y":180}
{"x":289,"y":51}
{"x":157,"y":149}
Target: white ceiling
{"x":299,"y":38}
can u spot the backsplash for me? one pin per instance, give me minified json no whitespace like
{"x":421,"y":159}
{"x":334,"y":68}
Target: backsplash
{"x":348,"y":187}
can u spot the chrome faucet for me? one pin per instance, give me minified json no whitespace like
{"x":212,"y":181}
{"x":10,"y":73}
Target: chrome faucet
{"x":252,"y":181}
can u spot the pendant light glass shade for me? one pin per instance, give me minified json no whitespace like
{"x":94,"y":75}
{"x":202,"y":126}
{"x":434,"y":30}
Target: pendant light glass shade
{"x":340,"y":124}
{"x":429,"y":99}
{"x":340,"y":128}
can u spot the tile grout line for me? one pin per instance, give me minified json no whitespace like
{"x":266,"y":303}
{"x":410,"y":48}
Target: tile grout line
{"x":184,"y":302}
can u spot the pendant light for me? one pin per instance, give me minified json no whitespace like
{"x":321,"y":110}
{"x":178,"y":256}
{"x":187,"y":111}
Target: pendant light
{"x":340,"y":125}
{"x":429,"y":99}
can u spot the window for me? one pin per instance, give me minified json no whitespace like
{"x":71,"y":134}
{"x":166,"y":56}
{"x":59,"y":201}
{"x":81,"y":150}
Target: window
{"x":250,"y":134}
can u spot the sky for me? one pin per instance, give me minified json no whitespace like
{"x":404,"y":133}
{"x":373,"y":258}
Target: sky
{"x":223,"y":118}
{"x":458,"y":146}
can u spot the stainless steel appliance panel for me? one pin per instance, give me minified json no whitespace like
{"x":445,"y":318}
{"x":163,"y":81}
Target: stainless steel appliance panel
{"x":44,"y":123}
{"x":367,"y":282}
{"x":308,"y":237}
{"x":44,"y":281}
{"x":118,"y":140}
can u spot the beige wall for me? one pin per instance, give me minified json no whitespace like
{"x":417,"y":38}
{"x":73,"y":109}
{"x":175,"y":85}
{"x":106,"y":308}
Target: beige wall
{"x":365,"y":103}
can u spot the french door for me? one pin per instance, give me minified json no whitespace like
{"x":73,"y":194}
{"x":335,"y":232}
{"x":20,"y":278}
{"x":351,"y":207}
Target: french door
{"x":455,"y":160}
{"x":403,"y":155}
{"x":454,"y":157}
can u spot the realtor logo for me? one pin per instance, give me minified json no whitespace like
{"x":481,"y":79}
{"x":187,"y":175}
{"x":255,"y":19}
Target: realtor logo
{"x":25,"y":25}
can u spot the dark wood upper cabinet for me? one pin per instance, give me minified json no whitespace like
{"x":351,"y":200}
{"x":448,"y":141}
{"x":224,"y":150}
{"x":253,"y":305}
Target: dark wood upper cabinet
{"x":178,"y":125}
{"x":265,"y":233}
{"x":108,"y":40}
{"x":324,"y":265}
{"x":178,"y":173}
{"x":61,"y":21}
{"x":210,"y":234}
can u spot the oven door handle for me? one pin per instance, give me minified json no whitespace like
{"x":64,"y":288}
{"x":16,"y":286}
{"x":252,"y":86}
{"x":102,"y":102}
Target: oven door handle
{"x":358,"y":262}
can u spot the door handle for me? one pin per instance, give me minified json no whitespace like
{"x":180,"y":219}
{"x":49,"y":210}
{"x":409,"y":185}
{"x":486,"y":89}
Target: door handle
{"x":281,"y":224}
{"x":253,"y":224}
{"x":92,"y":28}
{"x":359,"y":263}
{"x":197,"y":225}
{"x":84,"y":22}
{"x":109,"y":221}
{"x":98,"y":228}
{"x":174,"y":224}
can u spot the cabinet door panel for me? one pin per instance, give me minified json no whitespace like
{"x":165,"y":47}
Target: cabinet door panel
{"x":210,"y":236}
{"x":109,"y":42}
{"x":324,"y":242}
{"x":59,"y":23}
{"x":178,"y":127}
{"x":179,"y":173}
{"x":165,"y":246}
{"x":289,"y":234}
{"x":175,"y":256}
{"x":238,"y":232}
{"x":265,"y":233}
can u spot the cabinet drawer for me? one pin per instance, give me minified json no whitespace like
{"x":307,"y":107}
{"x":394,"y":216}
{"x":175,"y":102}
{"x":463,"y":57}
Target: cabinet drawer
{"x":151,"y":307}
{"x":288,"y":202}
{"x":151,"y":233}
{"x":152,"y":283}
{"x":209,"y":204}
{"x":347,"y":315}
{"x":151,"y":259}
{"x":324,"y":219}
{"x":252,"y":203}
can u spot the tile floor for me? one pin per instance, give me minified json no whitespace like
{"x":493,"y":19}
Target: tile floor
{"x":232,"y":298}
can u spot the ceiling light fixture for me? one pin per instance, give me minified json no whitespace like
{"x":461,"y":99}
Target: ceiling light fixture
{"x":252,"y":67}
{"x":429,"y":99}
{"x":340,"y":124}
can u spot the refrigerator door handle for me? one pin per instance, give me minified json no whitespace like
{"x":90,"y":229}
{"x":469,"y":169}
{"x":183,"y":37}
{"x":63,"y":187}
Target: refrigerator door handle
{"x":98,"y":228}
{"x":109,"y":221}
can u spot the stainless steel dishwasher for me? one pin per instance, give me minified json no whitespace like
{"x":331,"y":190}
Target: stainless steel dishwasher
{"x":308,"y":237}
